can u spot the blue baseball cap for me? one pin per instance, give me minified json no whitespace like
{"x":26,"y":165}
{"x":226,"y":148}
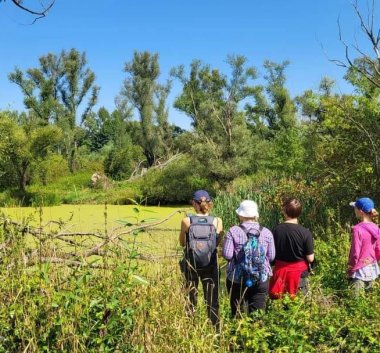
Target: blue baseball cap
{"x":364,"y":204}
{"x":199,"y":194}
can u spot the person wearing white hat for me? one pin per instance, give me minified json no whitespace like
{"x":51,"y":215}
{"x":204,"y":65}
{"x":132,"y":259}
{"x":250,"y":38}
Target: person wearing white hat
{"x":253,"y":290}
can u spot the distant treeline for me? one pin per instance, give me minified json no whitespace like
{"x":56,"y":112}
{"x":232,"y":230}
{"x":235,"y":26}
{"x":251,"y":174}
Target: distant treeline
{"x":244,"y":135}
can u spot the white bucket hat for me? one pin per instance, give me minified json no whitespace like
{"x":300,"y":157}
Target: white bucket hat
{"x":248,"y":209}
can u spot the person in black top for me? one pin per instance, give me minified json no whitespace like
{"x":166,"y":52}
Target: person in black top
{"x":294,"y":252}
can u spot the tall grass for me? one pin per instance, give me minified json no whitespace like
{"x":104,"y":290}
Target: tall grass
{"x":327,"y":320}
{"x":133,"y":305}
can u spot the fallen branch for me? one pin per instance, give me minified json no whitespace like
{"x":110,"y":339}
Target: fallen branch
{"x":79,"y":256}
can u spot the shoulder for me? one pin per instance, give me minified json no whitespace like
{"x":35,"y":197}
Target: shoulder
{"x":357,"y":228}
{"x":235,"y":231}
{"x":266,"y":231}
{"x":217,"y":220}
{"x":185,"y":222}
{"x":279,"y":228}
{"x":304,"y":229}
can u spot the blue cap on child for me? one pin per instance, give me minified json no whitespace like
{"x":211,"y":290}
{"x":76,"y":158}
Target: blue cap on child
{"x":364,"y":204}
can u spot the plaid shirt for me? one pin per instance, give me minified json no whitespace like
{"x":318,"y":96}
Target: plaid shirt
{"x":235,"y":240}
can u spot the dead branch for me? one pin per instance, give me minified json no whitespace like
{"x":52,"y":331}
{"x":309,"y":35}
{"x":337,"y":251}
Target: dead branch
{"x":160,"y":165}
{"x":39,"y":14}
{"x":372,"y":73}
{"x":77,"y":258}
{"x":94,"y":250}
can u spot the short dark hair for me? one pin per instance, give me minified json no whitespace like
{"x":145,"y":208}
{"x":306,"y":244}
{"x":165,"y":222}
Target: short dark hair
{"x":292,"y":207}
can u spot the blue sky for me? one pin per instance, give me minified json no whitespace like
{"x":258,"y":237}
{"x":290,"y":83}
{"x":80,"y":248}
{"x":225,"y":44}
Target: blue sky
{"x":305,"y":32}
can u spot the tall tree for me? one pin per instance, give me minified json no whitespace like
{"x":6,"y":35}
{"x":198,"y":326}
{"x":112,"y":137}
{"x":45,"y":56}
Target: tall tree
{"x":273,"y":108}
{"x":221,"y":141}
{"x":55,"y":92}
{"x":143,"y":91}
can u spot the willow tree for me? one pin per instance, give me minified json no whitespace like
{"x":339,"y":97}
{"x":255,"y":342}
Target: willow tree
{"x":143,"y":91}
{"x":60,"y":91}
{"x":221,"y":141}
{"x":272,"y":114}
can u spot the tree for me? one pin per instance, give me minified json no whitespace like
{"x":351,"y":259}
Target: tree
{"x":221,"y":141}
{"x":272,"y":109}
{"x":272,"y":115}
{"x":55,"y":93}
{"x":367,"y":62}
{"x":142,"y":90}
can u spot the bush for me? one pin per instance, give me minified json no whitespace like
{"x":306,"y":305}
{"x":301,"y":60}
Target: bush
{"x":51,"y":169}
{"x":45,"y":199}
{"x":120,"y":163}
{"x":175,"y":183}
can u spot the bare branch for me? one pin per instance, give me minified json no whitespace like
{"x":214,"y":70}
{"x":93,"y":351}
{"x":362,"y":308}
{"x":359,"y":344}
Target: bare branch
{"x":40,"y":14}
{"x":51,"y":254}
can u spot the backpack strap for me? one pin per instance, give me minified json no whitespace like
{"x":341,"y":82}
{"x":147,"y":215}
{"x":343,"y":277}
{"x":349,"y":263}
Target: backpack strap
{"x":194,"y":218}
{"x":234,"y":257}
{"x":247,"y":231}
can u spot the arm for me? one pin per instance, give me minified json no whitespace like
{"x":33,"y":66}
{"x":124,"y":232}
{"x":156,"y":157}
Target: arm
{"x":309,"y":248}
{"x":355,"y":249}
{"x":377,"y":246}
{"x":228,"y":247}
{"x":185,"y":224}
{"x":310,"y":258}
{"x":218,"y":223}
{"x":271,"y":250}
{"x":377,"y":250}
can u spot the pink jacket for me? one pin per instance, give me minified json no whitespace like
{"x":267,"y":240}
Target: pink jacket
{"x":365,"y":246}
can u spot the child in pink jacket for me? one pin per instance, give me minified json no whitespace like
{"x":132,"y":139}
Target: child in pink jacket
{"x":363,"y":268}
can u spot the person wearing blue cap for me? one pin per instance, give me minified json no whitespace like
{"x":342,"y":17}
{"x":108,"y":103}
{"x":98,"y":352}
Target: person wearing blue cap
{"x":363,"y":268}
{"x":199,"y":236}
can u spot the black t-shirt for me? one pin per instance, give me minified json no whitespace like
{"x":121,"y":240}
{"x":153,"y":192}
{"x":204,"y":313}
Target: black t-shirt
{"x":293,"y":242}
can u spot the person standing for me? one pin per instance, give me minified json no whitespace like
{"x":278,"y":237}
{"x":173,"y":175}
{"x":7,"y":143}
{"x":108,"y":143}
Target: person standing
{"x":242,"y":287}
{"x":294,"y":252}
{"x":199,"y":236}
{"x":364,"y":254}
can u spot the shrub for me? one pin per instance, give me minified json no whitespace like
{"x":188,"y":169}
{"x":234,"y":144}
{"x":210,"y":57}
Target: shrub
{"x":51,"y":169}
{"x":120,"y":163}
{"x":175,"y":183}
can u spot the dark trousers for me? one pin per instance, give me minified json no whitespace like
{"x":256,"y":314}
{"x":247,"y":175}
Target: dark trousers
{"x":209,"y":276}
{"x":255,"y":296}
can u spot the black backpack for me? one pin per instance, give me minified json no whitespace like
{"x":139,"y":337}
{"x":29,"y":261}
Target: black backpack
{"x":201,"y":241}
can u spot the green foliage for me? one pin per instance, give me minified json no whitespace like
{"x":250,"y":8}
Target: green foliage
{"x":175,"y":183}
{"x":221,"y":140}
{"x":142,"y":91}
{"x":121,"y":162}
{"x":51,"y":168}
{"x":22,"y":145}
{"x":54,"y":92}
